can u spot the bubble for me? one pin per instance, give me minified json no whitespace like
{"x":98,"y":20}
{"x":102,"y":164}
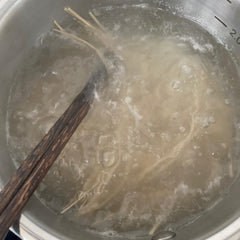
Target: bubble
{"x":108,"y":157}
{"x":227,"y":101}
{"x":166,"y":136}
{"x":182,"y":129}
{"x":209,"y":91}
{"x":176,"y":85}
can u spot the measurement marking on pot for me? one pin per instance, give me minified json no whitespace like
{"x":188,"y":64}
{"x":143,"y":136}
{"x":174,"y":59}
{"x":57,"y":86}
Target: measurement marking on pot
{"x":233,"y":32}
{"x":235,"y":35}
{"x":223,"y":23}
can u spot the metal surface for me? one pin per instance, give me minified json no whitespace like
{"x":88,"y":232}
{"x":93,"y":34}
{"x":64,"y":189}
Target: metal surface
{"x":164,"y":235}
{"x":23,"y":21}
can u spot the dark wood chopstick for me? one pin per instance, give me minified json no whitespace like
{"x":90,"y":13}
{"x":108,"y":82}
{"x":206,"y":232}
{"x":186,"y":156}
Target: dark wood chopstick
{"x":26,"y":179}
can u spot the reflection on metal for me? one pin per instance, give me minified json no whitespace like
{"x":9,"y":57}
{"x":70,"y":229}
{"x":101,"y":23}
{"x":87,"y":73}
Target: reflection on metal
{"x":165,"y":235}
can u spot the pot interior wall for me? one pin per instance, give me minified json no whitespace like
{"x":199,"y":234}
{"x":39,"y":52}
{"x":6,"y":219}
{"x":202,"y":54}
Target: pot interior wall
{"x":22,"y":22}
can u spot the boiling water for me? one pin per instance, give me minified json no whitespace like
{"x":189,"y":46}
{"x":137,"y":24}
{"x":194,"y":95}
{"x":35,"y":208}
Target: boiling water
{"x":156,"y":146}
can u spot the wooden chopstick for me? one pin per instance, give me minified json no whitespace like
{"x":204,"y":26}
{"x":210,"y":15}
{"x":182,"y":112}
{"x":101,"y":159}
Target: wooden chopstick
{"x":26,"y":179}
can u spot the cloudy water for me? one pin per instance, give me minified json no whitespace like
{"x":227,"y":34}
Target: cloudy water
{"x":157,"y":145}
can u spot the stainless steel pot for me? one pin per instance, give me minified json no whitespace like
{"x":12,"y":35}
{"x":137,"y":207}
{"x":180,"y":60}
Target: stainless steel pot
{"x":23,"y":21}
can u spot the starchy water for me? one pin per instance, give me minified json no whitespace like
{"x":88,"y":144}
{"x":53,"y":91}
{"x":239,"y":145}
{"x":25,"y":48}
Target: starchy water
{"x":157,"y":145}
